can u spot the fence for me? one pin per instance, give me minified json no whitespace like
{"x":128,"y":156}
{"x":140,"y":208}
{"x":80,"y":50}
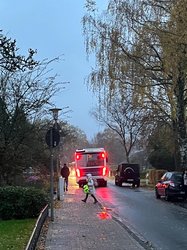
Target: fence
{"x":38,"y":226}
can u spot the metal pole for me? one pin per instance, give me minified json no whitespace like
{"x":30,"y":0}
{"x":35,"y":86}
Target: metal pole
{"x":56,"y":167}
{"x":52,"y":175}
{"x":55,"y":117}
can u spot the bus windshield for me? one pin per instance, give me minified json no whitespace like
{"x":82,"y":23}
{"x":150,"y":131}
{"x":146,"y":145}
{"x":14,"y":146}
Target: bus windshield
{"x":90,"y":159}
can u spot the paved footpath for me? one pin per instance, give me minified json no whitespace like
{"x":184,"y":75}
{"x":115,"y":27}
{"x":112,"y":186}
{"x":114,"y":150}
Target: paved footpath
{"x":81,"y":226}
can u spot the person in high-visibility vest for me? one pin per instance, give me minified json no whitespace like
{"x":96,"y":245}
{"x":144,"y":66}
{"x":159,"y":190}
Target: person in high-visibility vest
{"x":89,"y":188}
{"x":86,"y":189}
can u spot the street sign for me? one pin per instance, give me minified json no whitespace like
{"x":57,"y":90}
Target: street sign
{"x":52,"y":137}
{"x":57,"y":126}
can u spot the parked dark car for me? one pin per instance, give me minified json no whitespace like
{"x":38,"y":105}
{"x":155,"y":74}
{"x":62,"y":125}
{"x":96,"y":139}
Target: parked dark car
{"x":127,"y":173}
{"x":170,"y":186}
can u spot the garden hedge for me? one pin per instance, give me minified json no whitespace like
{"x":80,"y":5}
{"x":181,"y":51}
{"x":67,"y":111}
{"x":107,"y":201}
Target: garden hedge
{"x":21,"y":202}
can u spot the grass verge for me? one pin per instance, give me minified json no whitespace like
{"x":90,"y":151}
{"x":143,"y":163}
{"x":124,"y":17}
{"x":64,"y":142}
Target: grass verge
{"x":15,"y":234}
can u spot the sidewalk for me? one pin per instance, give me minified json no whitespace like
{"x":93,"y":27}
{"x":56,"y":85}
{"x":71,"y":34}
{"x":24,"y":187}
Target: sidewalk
{"x":82,"y":226}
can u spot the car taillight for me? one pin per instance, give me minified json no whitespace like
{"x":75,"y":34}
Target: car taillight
{"x":104,"y":171}
{"x":78,"y":173}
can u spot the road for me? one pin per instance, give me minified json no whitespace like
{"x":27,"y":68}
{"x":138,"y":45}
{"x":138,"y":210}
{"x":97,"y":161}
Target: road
{"x":162,"y":223}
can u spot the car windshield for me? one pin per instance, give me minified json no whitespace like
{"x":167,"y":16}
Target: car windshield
{"x":177,"y":177}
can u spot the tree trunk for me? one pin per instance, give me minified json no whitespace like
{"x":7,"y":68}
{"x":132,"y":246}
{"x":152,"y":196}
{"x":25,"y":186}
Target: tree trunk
{"x":181,"y":124}
{"x":176,"y":144}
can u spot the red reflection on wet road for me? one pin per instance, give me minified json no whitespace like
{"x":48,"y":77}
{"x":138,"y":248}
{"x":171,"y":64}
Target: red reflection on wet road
{"x":105,"y":193}
{"x":104,"y":215}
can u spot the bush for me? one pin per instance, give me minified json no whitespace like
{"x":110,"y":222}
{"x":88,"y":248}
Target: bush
{"x":160,"y":158}
{"x":21,"y":202}
{"x":154,"y":175}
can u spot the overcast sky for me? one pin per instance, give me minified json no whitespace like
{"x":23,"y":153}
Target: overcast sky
{"x":54,"y":28}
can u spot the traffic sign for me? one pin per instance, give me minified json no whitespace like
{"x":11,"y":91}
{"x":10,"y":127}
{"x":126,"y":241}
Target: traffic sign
{"x":52,"y":137}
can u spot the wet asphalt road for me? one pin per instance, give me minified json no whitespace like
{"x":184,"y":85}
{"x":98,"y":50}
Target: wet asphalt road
{"x":162,"y":223}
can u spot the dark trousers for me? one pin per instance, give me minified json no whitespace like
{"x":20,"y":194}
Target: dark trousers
{"x":95,"y":200}
{"x":66,"y":184}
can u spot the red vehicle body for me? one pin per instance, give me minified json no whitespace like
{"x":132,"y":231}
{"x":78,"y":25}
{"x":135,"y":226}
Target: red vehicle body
{"x":92,"y":161}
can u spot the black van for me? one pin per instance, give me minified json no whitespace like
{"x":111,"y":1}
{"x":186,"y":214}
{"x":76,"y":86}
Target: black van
{"x":128,"y":173}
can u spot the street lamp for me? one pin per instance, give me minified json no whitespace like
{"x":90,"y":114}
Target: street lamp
{"x":55,"y":114}
{"x":55,"y":117}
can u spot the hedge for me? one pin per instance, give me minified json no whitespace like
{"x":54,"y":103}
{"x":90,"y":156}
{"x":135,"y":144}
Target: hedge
{"x":21,"y":202}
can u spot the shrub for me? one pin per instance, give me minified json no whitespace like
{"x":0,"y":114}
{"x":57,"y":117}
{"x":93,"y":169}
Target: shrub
{"x":21,"y":202}
{"x":154,"y":175}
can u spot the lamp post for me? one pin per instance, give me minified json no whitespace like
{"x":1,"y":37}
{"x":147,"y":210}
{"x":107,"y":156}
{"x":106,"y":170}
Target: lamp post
{"x":56,"y":126}
{"x":55,"y":117}
{"x":55,"y":114}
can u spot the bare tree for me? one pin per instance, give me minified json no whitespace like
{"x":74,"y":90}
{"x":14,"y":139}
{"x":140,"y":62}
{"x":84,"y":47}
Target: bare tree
{"x":30,"y":89}
{"x":26,"y":91}
{"x":143,"y":44}
{"x":9,"y":57}
{"x":111,"y":141}
{"x":72,"y":138}
{"x":125,"y":118}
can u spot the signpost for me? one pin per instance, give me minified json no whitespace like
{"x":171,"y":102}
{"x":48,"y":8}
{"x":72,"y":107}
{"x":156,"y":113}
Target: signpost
{"x":52,"y":139}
